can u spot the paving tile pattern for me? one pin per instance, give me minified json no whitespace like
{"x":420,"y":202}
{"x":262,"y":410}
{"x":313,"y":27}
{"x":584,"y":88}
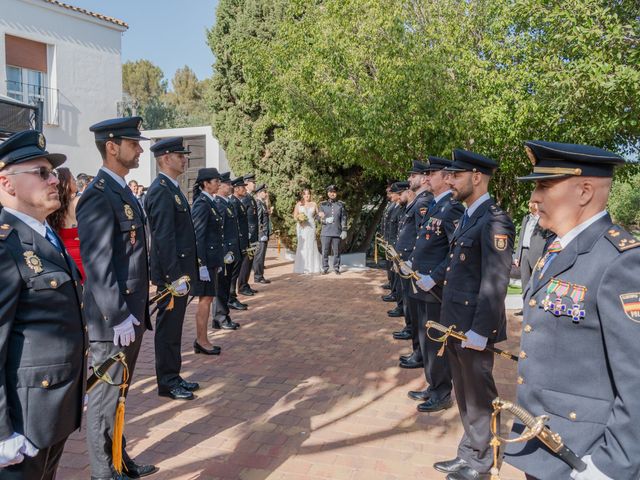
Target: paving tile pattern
{"x":308,"y":388}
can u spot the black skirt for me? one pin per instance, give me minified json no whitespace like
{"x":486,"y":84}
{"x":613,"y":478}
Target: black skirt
{"x":205,"y":289}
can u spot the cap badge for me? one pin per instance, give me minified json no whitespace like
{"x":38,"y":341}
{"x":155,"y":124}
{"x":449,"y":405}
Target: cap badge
{"x":128,"y":211}
{"x":33,"y":261}
{"x":41,"y":142}
{"x":530,"y":154}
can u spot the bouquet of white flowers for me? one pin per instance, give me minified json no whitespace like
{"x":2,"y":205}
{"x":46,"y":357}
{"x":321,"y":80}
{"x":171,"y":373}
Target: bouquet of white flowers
{"x":302,"y":217}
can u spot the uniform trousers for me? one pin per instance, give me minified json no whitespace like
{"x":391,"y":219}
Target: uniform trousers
{"x":475,"y":390}
{"x":41,"y":467}
{"x":235,"y":275}
{"x":168,"y":341}
{"x":332,"y":243}
{"x":103,"y":400}
{"x":258,"y":261}
{"x":396,"y":289}
{"x":220,"y":305}
{"x":388,"y":265}
{"x":411,"y":316}
{"x":436,"y":369}
{"x":245,"y":272}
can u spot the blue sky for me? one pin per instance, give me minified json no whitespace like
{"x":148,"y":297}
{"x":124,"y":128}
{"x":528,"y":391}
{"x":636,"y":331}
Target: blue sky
{"x":170,"y":33}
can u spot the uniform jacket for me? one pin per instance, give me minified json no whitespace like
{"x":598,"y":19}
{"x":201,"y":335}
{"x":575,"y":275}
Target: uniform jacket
{"x":173,"y":241}
{"x":409,"y":222}
{"x":583,"y":372}
{"x":113,"y":247}
{"x":393,"y":223}
{"x":43,"y":337}
{"x":430,"y":254}
{"x":477,"y":274}
{"x":264,"y":224}
{"x":208,"y":226}
{"x":384,"y":224}
{"x":251,"y":206}
{"x":243,"y":224}
{"x":338,"y":211}
{"x":231,"y":237}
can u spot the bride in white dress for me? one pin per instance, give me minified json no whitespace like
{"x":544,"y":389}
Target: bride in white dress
{"x":308,"y":258}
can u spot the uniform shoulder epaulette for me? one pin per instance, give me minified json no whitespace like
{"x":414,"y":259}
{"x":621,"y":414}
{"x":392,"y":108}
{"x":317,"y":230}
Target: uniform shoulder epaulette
{"x":5,"y":231}
{"x":621,"y":239}
{"x":496,"y":210}
{"x":100,"y":184}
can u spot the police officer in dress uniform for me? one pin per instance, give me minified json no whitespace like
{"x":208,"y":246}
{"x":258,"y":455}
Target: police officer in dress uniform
{"x":413,"y":215}
{"x":384,"y":227}
{"x":475,"y":287}
{"x":113,"y":246}
{"x":429,"y":259}
{"x":580,"y":356}
{"x":391,"y":237}
{"x":240,"y":211}
{"x":251,"y":206}
{"x":43,"y":339}
{"x":173,"y":255}
{"x":264,"y":231}
{"x":231,"y":253}
{"x":208,"y":225}
{"x":333,"y":216}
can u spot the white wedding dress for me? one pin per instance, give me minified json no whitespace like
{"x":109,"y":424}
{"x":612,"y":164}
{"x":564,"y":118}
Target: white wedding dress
{"x":308,"y":258}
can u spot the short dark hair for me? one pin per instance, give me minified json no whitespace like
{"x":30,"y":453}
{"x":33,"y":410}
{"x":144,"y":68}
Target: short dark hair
{"x":102,"y":146}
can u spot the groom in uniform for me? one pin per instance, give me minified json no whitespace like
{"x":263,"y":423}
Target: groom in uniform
{"x":333,"y":216}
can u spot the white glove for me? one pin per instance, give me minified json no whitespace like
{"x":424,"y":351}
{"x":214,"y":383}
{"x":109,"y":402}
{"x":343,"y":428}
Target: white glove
{"x":182,"y":289}
{"x":124,"y":333}
{"x":204,"y":274}
{"x":14,"y":448}
{"x":264,"y":238}
{"x":343,"y":235}
{"x":475,"y":341}
{"x":406,"y":267}
{"x":328,"y":220}
{"x":590,"y":473}
{"x":425,"y":283}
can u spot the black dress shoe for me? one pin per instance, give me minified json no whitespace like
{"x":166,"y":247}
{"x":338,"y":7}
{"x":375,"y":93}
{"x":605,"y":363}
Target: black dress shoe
{"x":419,"y":395}
{"x":263,"y":280}
{"x":389,"y":298}
{"x":246,"y":292}
{"x":468,"y":473}
{"x":177,"y":393}
{"x":197,"y":348}
{"x":396,"y":312}
{"x":338,"y":272}
{"x":386,"y":286}
{"x":404,"y":358}
{"x":411,"y":364}
{"x":402,"y":335}
{"x":227,"y":324}
{"x":325,"y":272}
{"x":138,"y":471}
{"x":236,"y":305}
{"x":191,"y":386}
{"x":253,"y":290}
{"x":450,"y":466}
{"x":435,"y":404}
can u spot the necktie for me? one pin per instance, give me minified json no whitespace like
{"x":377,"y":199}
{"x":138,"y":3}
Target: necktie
{"x":49,"y":235}
{"x":552,"y":252}
{"x":132,"y":197}
{"x":465,"y":219}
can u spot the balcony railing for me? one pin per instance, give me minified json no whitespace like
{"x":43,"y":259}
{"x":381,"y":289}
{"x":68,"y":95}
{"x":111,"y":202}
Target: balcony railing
{"x":45,"y":98}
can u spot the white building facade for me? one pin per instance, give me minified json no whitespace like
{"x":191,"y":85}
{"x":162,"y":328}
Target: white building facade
{"x":69,"y":60}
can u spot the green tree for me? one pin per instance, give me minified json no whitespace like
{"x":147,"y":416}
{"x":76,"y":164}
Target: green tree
{"x":143,"y":81}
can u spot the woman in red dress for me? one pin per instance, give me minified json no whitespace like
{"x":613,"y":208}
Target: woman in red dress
{"x":63,"y":220}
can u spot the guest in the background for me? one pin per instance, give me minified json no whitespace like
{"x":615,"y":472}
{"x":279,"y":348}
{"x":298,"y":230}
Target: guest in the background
{"x":63,"y":220}
{"x":530,"y":244}
{"x":82,"y":181}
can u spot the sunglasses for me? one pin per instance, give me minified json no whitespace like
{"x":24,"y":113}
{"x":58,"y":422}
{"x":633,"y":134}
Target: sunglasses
{"x":43,"y":172}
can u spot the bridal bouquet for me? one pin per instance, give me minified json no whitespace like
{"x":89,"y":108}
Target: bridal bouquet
{"x":302,"y":217}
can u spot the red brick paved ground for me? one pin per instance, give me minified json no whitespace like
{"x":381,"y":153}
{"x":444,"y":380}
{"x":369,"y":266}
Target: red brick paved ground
{"x":308,"y":388}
